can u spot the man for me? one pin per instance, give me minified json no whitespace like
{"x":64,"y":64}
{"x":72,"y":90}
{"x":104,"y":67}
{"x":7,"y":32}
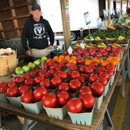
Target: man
{"x":35,"y":33}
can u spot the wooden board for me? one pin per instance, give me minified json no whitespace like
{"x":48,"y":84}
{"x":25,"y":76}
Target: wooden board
{"x":13,"y":15}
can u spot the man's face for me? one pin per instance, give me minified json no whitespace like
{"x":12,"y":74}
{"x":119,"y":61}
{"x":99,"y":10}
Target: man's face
{"x":36,"y":14}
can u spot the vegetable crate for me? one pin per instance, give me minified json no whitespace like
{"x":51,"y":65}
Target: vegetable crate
{"x":8,"y":64}
{"x":82,"y":118}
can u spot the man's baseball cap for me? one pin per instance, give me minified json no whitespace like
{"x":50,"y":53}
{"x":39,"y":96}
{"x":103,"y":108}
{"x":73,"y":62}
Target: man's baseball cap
{"x":36,"y":6}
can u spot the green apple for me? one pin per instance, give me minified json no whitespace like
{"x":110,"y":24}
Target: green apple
{"x":44,"y":58}
{"x":17,"y":68}
{"x":43,"y":61}
{"x":31,"y":65}
{"x":19,"y":71}
{"x":26,"y":68}
{"x":37,"y":62}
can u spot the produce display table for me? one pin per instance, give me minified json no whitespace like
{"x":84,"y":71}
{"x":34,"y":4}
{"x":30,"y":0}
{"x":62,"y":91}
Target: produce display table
{"x":66,"y":123}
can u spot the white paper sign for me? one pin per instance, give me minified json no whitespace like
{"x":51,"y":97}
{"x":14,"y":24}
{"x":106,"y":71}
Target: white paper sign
{"x":82,"y":45}
{"x":70,"y":50}
{"x":87,"y":18}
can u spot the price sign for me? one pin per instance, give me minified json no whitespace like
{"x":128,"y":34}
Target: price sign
{"x":105,"y":13}
{"x":99,"y":23}
{"x":70,"y":50}
{"x":87,"y":18}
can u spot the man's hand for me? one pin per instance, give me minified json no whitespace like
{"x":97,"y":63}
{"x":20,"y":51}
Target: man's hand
{"x":50,"y":47}
{"x":28,"y":52}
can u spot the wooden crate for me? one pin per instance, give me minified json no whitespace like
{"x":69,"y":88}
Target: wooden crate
{"x":13,"y":15}
{"x":8,"y":64}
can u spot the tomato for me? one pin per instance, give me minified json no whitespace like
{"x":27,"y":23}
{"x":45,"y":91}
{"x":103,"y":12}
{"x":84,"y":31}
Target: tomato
{"x":53,"y":66}
{"x":63,"y":87}
{"x":85,"y":89}
{"x":97,"y":89}
{"x":49,"y":100}
{"x":100,"y":69}
{"x":44,"y":73}
{"x":89,"y":70}
{"x":18,"y":79}
{"x":74,"y":74}
{"x":63,"y":97}
{"x":82,"y":68}
{"x":74,"y":105}
{"x":27,"y":97}
{"x":87,"y":100}
{"x":85,"y":76}
{"x":102,"y":80}
{"x":56,"y":81}
{"x":26,"y":76}
{"x":104,"y":74}
{"x":58,"y":68}
{"x":80,"y":60}
{"x":51,"y":71}
{"x":38,"y":79}
{"x":93,"y":78}
{"x":23,"y":89}
{"x":33,"y":73}
{"x":39,"y":93}
{"x":12,"y":92}
{"x":94,"y":63}
{"x":71,"y":66}
{"x":3,"y":89}
{"x":63,"y":75}
{"x":81,"y":79}
{"x":3,"y":84}
{"x":29,"y":82}
{"x":75,"y":85}
{"x":110,"y":72}
{"x":57,"y":73}
{"x":45,"y":83}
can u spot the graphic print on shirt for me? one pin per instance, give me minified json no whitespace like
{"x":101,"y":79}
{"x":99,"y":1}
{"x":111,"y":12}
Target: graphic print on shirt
{"x":39,"y":31}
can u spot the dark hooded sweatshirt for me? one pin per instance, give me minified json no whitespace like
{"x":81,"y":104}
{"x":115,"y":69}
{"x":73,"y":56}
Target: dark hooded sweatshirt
{"x":36,"y":34}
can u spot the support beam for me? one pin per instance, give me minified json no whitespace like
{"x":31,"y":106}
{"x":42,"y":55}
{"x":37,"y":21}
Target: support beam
{"x":109,"y":15}
{"x":66,"y":25}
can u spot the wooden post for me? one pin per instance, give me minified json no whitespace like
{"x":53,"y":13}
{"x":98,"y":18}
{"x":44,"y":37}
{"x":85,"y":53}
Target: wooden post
{"x":121,"y":7}
{"x":109,"y":15}
{"x":66,"y":26}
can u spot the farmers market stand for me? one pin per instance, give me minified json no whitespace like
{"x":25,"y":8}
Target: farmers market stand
{"x":66,"y":123}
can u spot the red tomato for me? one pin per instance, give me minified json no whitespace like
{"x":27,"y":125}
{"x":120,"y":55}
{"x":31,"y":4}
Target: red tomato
{"x":57,"y":73}
{"x":100,"y":69}
{"x":85,"y":89}
{"x":53,"y":66}
{"x":97,"y":89}
{"x":63,"y":97}
{"x":74,"y":105}
{"x":49,"y":100}
{"x":27,"y":97}
{"x":104,"y":74}
{"x":56,"y":81}
{"x":74,"y":74}
{"x":63,"y":75}
{"x":44,"y":73}
{"x":39,"y":93}
{"x":85,"y":76}
{"x":38,"y":79}
{"x":89,"y":70}
{"x":102,"y":80}
{"x":3,"y":84}
{"x":63,"y":87}
{"x":58,"y":68}
{"x":23,"y":89}
{"x":18,"y":79}
{"x":110,"y":72}
{"x":33,"y":73}
{"x":81,"y":79}
{"x":26,"y":76}
{"x":29,"y":82}
{"x":12,"y":92}
{"x":75,"y":84}
{"x":94,"y":63}
{"x":80,"y":60}
{"x":93,"y":78}
{"x":87,"y":100}
{"x":45,"y":83}
{"x":82,"y":68}
{"x":51,"y":71}
{"x":3,"y":89}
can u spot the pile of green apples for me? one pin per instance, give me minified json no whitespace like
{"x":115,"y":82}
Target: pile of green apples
{"x":30,"y":66}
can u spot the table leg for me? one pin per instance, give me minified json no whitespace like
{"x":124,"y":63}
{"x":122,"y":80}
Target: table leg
{"x":128,"y":66}
{"x":25,"y":125}
{"x":109,"y":121}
